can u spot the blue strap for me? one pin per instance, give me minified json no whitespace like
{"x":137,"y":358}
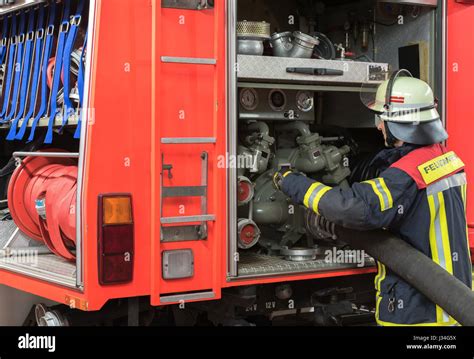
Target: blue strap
{"x":9,"y":75}
{"x":18,"y":67}
{"x":69,"y":47}
{"x":80,"y":88}
{"x":48,"y":46}
{"x":3,"y":45}
{"x":30,"y":36}
{"x":63,"y":30}
{"x":34,"y":88}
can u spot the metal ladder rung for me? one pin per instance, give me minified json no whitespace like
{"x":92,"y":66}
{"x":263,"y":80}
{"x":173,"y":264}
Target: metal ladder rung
{"x":191,"y":191}
{"x":188,"y":219}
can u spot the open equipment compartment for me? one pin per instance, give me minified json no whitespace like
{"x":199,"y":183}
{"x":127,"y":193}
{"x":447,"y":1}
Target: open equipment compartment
{"x":43,"y":52}
{"x":296,"y":71}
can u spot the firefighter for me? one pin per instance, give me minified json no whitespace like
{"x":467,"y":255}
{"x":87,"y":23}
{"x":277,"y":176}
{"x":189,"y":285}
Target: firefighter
{"x":420,"y":195}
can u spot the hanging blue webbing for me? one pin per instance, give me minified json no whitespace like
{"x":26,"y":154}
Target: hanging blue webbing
{"x":63,"y":30}
{"x":34,"y":86}
{"x":69,"y":47}
{"x":18,"y":66}
{"x":10,"y":66}
{"x":3,"y":45}
{"x":48,"y":46}
{"x":25,"y":77}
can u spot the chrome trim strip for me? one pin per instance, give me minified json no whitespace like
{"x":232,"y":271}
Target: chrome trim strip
{"x":231,"y":133}
{"x":86,"y":116}
{"x":186,"y":297}
{"x":46,"y":154}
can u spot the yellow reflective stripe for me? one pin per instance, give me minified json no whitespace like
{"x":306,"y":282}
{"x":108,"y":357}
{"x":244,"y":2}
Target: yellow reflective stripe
{"x":381,"y":277}
{"x":445,"y":234}
{"x":451,"y":322}
{"x":440,"y":167}
{"x":465,"y":196}
{"x":439,"y":244}
{"x":433,"y":244}
{"x":314,"y":194}
{"x":464,"y":199}
{"x":383,"y":193}
{"x":309,"y":193}
{"x":377,"y":192}
{"x":386,"y":192}
{"x":287,"y":173}
{"x":320,"y":195}
{"x":377,"y":277}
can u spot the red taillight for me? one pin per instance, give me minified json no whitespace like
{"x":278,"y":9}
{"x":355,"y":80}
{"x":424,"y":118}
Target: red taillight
{"x":116,"y":239}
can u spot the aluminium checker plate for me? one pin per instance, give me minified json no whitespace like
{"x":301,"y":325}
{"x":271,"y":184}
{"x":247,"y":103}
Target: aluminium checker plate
{"x":273,"y":70}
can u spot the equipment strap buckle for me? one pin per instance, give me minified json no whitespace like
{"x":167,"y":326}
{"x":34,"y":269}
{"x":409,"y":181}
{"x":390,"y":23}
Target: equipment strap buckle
{"x":76,"y":20}
{"x":64,"y":26}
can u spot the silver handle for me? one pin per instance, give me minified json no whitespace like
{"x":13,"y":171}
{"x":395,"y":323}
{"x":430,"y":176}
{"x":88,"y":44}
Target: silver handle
{"x":188,"y":140}
{"x":188,"y":219}
{"x":188,"y":60}
{"x":188,"y":4}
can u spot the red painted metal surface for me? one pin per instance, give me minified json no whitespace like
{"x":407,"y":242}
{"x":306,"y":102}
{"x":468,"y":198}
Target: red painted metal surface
{"x":54,"y":181}
{"x":460,"y":77}
{"x":189,"y":101}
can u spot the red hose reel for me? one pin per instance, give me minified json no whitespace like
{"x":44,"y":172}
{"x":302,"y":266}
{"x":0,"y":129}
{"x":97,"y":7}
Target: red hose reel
{"x":42,"y":202}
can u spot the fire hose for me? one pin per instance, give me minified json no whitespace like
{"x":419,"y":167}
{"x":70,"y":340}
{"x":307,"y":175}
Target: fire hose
{"x":42,"y":198}
{"x":411,"y":265}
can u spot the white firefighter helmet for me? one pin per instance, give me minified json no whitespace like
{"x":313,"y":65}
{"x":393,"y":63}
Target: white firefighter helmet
{"x":408,"y":106}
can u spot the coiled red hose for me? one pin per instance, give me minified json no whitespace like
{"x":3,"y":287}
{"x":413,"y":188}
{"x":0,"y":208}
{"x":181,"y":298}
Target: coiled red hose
{"x":42,"y":200}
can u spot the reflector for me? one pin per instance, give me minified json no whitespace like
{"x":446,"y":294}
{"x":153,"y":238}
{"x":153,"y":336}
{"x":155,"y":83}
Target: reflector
{"x":117,"y":210}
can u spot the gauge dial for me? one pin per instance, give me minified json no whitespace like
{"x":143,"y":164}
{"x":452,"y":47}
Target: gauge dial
{"x":305,"y":101}
{"x":277,"y":99}
{"x":249,"y":99}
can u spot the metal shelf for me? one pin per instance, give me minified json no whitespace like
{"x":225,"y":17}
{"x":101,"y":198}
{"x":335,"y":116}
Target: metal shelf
{"x":254,"y":265}
{"x":73,"y":121}
{"x":268,"y":71}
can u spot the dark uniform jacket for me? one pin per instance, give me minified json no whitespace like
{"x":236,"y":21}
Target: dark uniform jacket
{"x":421,"y":196}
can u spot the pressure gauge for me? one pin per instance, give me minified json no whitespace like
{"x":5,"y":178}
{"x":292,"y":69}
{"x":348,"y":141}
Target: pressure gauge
{"x":277,"y":100}
{"x":305,"y":101}
{"x":249,"y":99}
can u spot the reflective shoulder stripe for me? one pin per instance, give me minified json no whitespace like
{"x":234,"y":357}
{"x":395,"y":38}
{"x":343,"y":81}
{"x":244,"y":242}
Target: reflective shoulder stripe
{"x":440,"y":167}
{"x":314,"y":194}
{"x":383,"y":193}
{"x":457,"y":180}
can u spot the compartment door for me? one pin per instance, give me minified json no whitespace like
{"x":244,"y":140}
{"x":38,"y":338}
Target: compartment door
{"x":189,"y":135}
{"x":460,"y":75}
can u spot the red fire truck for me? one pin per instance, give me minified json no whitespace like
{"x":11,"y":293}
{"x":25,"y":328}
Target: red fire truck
{"x":123,"y":132}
